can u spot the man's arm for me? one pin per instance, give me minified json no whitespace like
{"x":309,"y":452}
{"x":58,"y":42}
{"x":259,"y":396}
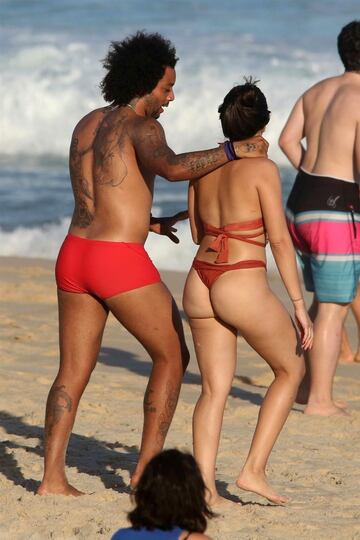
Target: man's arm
{"x":292,"y":135}
{"x":155,"y":155}
{"x":165,"y":225}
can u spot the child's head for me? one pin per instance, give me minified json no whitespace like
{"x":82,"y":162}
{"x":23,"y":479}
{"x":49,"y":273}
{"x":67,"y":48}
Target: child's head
{"x":244,"y":111}
{"x":171,"y":493}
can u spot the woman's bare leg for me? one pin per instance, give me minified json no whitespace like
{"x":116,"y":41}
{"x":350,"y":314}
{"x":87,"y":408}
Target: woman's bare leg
{"x":81,"y":323}
{"x":267,"y":327}
{"x":215,"y":346}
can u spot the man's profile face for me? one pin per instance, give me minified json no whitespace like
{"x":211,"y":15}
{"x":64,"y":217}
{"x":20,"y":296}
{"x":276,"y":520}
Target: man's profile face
{"x":162,"y":94}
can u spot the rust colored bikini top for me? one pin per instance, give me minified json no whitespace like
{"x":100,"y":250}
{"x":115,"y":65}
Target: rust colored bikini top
{"x":222,"y":235}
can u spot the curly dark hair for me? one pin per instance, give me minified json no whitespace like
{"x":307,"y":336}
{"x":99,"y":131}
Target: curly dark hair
{"x":135,"y":66}
{"x":171,"y":493}
{"x":348,"y":43}
{"x":244,"y":111}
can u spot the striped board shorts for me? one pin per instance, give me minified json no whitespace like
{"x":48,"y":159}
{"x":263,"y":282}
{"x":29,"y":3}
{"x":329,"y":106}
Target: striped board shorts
{"x":323,"y":217}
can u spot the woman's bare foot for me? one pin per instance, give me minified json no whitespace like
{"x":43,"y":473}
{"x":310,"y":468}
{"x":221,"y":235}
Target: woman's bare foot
{"x":357,"y":357}
{"x":257,"y":483}
{"x":216,"y":501}
{"x":327,"y":409}
{"x":63,"y":489}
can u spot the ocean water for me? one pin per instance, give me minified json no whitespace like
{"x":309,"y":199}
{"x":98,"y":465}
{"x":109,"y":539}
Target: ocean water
{"x":50,"y":66}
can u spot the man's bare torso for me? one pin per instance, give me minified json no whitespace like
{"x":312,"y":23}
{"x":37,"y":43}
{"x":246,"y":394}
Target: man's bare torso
{"x":332,"y":127}
{"x":113,"y":196}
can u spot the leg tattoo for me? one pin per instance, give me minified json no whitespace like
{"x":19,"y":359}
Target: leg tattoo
{"x":172,"y":394}
{"x":148,"y":404}
{"x":59,"y":402}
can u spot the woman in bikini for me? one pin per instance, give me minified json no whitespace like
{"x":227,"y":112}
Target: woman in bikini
{"x":233,"y":212}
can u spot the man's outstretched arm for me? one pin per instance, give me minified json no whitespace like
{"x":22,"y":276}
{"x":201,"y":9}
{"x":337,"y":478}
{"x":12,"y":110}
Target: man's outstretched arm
{"x":155,"y":155}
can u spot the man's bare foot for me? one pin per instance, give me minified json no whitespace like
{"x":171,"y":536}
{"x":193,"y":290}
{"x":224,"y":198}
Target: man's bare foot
{"x":327,"y":409}
{"x":340,"y":403}
{"x":257,"y":483}
{"x":302,"y":399}
{"x":357,"y":357}
{"x":66,"y":489}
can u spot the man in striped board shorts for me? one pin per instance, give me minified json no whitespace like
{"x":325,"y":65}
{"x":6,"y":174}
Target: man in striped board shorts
{"x":323,"y":212}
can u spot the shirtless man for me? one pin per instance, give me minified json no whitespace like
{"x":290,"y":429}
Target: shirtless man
{"x":102,"y":266}
{"x":323,"y":211}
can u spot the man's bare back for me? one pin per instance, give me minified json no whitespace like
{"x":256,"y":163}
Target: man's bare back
{"x":332,"y":127}
{"x":113,"y":196}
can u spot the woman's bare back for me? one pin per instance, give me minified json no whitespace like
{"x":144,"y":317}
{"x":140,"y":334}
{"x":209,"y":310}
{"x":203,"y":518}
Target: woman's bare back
{"x":226,"y":196}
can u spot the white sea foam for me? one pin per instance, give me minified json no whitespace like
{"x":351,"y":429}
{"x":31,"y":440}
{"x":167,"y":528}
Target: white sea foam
{"x":50,"y":71}
{"x":61,"y":81}
{"x":43,"y":242}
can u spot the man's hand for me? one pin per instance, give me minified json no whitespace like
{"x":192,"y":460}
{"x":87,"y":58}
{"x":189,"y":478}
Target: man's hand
{"x":165,"y":225}
{"x":255,"y":147}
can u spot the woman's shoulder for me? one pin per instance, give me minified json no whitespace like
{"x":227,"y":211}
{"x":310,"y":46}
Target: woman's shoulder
{"x":259,"y":163}
{"x":256,"y":170}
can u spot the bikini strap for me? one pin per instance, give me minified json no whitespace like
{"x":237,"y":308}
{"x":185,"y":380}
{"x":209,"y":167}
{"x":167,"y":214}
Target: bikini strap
{"x":245,"y":225}
{"x":222,"y":235}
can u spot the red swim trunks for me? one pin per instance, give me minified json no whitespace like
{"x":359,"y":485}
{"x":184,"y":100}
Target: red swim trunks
{"x":102,"y":268}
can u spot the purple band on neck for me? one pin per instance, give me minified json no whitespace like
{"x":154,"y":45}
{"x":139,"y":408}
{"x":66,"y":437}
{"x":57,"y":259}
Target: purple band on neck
{"x":229,"y":151}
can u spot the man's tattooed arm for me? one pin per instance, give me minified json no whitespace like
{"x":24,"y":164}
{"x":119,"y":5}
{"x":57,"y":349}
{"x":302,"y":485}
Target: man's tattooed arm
{"x":156,"y":156}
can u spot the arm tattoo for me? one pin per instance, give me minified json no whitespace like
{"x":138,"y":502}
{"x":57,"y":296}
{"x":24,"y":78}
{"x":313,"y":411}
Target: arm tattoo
{"x":152,"y":146}
{"x":58,"y":403}
{"x":196,"y":162}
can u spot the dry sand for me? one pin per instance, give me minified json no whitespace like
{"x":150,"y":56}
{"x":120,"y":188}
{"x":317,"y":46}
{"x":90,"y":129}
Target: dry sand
{"x":315,"y":462}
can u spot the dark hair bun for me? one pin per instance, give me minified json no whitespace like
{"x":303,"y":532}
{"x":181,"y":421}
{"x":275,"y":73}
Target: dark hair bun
{"x":244,"y":111}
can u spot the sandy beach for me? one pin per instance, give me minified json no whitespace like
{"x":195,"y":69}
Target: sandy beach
{"x":316,"y":461}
